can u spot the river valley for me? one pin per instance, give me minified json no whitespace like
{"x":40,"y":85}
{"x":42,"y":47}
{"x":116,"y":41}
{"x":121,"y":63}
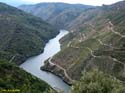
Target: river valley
{"x":33,"y":64}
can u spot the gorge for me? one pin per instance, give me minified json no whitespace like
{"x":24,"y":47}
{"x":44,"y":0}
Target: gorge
{"x":94,"y":44}
{"x":33,"y":64}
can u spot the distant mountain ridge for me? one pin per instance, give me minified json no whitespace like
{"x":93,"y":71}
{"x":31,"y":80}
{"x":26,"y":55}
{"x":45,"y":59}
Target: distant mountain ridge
{"x":118,"y":5}
{"x":57,"y":14}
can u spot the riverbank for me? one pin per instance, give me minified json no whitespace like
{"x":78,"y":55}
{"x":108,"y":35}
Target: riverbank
{"x":50,"y":67}
{"x":33,"y":64}
{"x":21,"y":58}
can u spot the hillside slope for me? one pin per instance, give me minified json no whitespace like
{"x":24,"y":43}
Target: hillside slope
{"x":97,"y":41}
{"x":13,"y":78}
{"x":57,"y":14}
{"x":22,"y":35}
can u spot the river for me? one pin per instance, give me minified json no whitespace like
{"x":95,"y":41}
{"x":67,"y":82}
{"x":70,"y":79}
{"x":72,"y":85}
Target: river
{"x":33,"y":64}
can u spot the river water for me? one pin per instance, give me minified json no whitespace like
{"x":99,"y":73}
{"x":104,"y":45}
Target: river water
{"x":33,"y":64}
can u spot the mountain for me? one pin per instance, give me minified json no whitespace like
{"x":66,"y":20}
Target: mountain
{"x":96,"y":41}
{"x":22,"y":35}
{"x":57,"y":14}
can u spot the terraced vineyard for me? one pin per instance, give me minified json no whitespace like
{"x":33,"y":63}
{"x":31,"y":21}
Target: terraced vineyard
{"x":98,"y":43}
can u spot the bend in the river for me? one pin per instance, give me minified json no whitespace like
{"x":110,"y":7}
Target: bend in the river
{"x":33,"y":64}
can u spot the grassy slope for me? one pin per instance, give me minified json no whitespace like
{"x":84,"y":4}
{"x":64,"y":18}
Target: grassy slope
{"x":96,"y":28}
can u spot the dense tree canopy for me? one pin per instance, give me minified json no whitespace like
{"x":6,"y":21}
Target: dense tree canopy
{"x":98,"y":82}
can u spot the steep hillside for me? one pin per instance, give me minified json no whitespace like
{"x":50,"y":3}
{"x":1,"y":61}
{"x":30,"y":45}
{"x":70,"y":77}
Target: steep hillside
{"x":97,"y":41}
{"x":14,"y":79}
{"x":58,"y":14}
{"x":22,"y":35}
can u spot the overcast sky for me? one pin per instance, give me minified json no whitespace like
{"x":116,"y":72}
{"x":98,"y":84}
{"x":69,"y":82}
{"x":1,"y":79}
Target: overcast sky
{"x":88,"y":2}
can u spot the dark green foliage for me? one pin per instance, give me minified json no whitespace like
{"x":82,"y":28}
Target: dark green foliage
{"x":21,"y":33}
{"x":97,"y":82}
{"x":21,"y":36}
{"x":12,"y":77}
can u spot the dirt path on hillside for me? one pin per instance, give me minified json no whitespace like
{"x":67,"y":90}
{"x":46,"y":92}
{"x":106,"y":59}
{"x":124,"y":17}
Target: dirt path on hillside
{"x":65,"y":73}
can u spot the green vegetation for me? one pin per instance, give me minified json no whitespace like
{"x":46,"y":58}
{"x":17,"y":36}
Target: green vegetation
{"x":12,"y":77}
{"x":96,"y":42}
{"x":21,"y":34}
{"x":97,"y":82}
{"x":57,"y":14}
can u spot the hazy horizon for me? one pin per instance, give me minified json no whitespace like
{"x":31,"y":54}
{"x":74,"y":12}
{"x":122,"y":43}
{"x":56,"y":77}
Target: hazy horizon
{"x":86,"y":2}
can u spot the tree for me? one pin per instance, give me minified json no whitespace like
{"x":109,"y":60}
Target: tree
{"x":97,"y":82}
